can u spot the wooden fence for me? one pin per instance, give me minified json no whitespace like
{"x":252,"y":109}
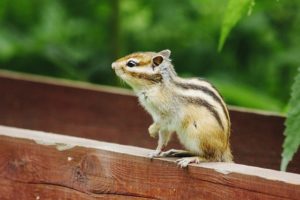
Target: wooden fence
{"x":39,"y":165}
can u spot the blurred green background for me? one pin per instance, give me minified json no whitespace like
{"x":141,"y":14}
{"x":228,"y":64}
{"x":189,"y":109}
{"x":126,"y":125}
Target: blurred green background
{"x":79,"y":40}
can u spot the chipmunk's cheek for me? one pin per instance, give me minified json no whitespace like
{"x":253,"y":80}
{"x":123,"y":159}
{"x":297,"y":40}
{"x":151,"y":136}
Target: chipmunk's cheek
{"x":119,"y":71}
{"x":120,"y":75}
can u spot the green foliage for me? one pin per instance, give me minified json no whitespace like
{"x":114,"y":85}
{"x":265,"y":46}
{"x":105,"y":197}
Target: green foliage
{"x":236,"y":92}
{"x":80,"y":39}
{"x":292,"y":123}
{"x":235,"y":10}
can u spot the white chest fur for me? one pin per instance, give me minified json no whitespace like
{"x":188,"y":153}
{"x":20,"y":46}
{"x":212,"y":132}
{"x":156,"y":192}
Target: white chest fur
{"x":161,"y":107}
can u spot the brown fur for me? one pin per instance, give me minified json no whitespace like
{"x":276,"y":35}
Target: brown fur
{"x":187,"y":120}
{"x":151,"y":78}
{"x":145,"y":59}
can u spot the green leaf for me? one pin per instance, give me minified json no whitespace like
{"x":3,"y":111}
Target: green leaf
{"x":234,"y":11}
{"x":292,"y":123}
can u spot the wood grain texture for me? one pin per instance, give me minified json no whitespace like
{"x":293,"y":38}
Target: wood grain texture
{"x":41,"y":191}
{"x":32,"y":165}
{"x":113,"y":115}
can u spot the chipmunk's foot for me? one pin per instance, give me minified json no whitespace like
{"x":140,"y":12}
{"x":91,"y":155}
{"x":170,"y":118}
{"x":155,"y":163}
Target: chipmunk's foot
{"x":183,"y":162}
{"x":175,"y":153}
{"x":154,"y":154}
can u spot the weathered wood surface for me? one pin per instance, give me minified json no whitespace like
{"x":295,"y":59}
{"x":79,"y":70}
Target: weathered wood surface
{"x":113,"y":115}
{"x":37,"y":165}
{"x":38,"y":191}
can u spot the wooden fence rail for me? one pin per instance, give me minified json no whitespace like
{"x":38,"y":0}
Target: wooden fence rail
{"x":113,"y":115}
{"x":39,"y":165}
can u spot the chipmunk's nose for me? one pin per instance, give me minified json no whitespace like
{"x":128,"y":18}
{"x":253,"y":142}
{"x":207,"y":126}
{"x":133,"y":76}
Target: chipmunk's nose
{"x":114,"y":65}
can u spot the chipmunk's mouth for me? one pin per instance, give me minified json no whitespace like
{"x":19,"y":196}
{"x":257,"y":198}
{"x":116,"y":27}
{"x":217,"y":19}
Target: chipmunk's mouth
{"x":119,"y":71}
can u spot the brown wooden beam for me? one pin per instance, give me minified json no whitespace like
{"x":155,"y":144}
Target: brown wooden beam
{"x":44,"y":165}
{"x":113,"y":115}
{"x":37,"y":191}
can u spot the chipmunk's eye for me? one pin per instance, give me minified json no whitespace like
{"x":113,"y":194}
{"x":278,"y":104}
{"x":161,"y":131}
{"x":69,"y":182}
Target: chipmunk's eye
{"x":131,"y":63}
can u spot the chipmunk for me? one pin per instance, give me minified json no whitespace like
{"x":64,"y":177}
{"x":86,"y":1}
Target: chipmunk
{"x":192,"y":108}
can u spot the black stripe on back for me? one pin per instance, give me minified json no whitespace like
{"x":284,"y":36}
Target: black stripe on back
{"x":206,"y":91}
{"x":208,"y":106}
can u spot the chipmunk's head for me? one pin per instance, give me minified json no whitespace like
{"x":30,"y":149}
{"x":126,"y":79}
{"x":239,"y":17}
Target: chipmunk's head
{"x":144,"y":69}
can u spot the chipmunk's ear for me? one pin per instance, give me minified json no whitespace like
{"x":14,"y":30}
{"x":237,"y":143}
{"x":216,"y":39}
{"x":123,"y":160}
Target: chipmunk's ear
{"x":165,"y":53}
{"x":157,"y":60}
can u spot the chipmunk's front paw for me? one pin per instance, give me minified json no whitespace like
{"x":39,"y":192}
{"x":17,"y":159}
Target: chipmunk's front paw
{"x":154,"y":154}
{"x":153,"y":130}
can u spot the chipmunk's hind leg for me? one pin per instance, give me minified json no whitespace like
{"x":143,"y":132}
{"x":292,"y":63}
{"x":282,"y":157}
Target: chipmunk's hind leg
{"x":176,"y":153}
{"x":183,"y":162}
